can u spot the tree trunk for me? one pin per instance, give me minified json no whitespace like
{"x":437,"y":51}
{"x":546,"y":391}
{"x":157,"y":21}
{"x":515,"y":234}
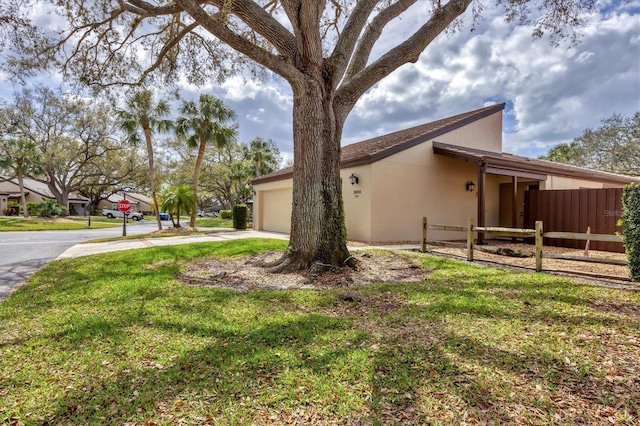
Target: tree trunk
{"x":196,"y":176}
{"x":318,"y":232}
{"x":23,"y":198}
{"x":64,"y":202}
{"x":152,"y":173}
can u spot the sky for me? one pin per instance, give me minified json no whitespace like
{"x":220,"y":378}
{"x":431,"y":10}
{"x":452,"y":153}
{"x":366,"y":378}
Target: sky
{"x":552,"y":94}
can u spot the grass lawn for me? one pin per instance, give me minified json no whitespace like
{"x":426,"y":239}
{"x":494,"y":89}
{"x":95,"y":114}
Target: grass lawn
{"x":212,"y":222}
{"x":117,"y":339}
{"x":40,"y":224}
{"x":154,"y":234}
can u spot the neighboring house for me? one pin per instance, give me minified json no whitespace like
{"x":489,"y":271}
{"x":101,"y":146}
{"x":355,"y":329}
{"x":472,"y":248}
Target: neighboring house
{"x":448,"y":170}
{"x":37,"y":192}
{"x":144,"y":203}
{"x":139,"y":203}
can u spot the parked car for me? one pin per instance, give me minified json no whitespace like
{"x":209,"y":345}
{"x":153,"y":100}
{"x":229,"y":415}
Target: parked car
{"x":117,"y":213}
{"x":164,"y":216}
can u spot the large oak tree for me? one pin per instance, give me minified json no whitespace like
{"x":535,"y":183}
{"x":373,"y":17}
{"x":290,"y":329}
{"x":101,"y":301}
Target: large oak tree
{"x":72,"y":139}
{"x":323,"y":49}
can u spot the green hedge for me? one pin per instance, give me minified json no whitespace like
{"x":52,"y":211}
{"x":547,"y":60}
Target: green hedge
{"x":240,"y":213}
{"x":226,"y":214}
{"x":631,"y":226}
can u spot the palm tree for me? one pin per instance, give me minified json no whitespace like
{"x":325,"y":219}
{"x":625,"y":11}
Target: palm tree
{"x":207,"y":121}
{"x":178,"y":199}
{"x":142,"y":113}
{"x":22,"y":158}
{"x":265,"y":155}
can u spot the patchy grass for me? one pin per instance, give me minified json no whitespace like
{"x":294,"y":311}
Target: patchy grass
{"x":115,"y":339}
{"x":40,"y":224}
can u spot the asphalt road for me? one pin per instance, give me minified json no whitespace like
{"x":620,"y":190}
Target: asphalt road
{"x":23,"y":253}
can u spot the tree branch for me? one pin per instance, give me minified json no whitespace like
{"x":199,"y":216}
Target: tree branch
{"x":350,"y":35}
{"x":237,"y":42}
{"x":372,"y":34}
{"x":407,"y":51}
{"x":305,"y":18}
{"x":264,"y":24}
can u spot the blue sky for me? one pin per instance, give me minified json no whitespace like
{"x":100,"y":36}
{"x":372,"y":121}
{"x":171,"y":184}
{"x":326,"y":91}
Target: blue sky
{"x":552,"y":93}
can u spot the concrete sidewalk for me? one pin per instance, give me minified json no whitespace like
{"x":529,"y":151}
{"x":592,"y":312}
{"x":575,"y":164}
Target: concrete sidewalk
{"x":88,"y":249}
{"x":97,"y":248}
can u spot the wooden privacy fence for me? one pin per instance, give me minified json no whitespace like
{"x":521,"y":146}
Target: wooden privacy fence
{"x":538,"y":235}
{"x":575,"y":210}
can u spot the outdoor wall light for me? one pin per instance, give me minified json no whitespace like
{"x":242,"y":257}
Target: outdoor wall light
{"x":470,"y":186}
{"x":353,"y":179}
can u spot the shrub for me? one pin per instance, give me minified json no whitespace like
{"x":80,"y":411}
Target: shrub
{"x":631,"y":226}
{"x":15,"y":207}
{"x":49,"y":208}
{"x":240,"y":216}
{"x":226,"y":214}
{"x":32,"y":208}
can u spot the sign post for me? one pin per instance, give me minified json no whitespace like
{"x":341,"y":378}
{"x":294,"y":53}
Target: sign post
{"x":124,"y":206}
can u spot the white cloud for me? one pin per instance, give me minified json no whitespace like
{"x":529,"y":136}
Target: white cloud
{"x":552,"y":93}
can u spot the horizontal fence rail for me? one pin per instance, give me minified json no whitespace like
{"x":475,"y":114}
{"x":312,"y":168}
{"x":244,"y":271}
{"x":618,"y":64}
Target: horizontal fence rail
{"x":536,"y":233}
{"x":609,"y":238}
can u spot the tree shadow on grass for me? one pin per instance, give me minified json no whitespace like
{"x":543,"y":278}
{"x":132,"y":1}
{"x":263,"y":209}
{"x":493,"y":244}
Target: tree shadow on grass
{"x":449,"y":363}
{"x":413,"y":353}
{"x":237,"y":366}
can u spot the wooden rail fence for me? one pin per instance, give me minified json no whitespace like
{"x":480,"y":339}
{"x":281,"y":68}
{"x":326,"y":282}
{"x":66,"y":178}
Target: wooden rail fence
{"x":537,"y":233}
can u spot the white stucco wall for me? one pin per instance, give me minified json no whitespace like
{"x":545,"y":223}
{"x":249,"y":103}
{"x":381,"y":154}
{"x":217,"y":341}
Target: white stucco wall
{"x":484,"y":134}
{"x":357,"y":202}
{"x":558,"y":182}
{"x":417,"y":183}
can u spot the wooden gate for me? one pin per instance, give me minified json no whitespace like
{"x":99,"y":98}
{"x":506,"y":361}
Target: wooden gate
{"x":573,"y":210}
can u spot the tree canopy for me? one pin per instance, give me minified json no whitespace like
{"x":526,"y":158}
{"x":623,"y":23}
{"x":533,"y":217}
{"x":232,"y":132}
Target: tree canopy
{"x":612,"y":147}
{"x":330,"y":52}
{"x":72,"y":139}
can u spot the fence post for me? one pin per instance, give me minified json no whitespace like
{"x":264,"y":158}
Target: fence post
{"x":586,"y":246}
{"x":539,"y":240}
{"x":470,"y":240}
{"x":423,"y":248}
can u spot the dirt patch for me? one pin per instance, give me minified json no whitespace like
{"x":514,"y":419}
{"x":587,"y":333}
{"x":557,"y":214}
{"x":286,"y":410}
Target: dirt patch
{"x":248,"y":272}
{"x":180,"y":230}
{"x":615,"y":276}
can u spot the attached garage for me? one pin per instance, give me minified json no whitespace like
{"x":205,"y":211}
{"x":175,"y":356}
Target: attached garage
{"x":275,"y":214}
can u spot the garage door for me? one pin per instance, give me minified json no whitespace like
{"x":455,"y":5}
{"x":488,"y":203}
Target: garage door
{"x":276,"y":210}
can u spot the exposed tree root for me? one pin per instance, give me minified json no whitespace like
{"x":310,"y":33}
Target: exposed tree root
{"x":286,"y":264}
{"x":290,"y":263}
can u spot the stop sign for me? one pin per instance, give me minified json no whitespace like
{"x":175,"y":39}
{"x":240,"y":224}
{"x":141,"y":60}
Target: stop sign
{"x":124,"y":205}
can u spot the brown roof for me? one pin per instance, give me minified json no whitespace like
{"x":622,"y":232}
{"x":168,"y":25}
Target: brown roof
{"x":515,"y":165}
{"x":375,"y":149}
{"x":41,"y":189}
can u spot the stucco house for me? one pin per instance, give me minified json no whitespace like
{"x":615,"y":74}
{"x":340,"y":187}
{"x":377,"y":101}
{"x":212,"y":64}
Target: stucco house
{"x":36,"y":192}
{"x":447,"y":170}
{"x":139,"y":203}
